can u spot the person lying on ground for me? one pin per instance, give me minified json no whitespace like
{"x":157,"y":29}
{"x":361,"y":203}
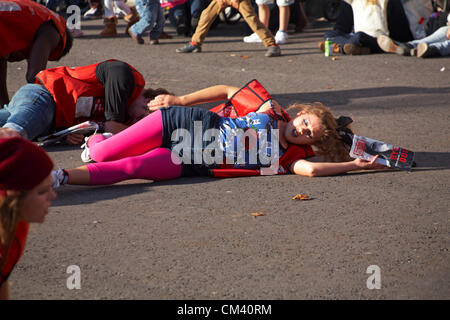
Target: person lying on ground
{"x":110,"y":92}
{"x":259,"y":143}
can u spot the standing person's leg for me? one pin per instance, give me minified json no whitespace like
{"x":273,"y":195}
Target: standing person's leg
{"x":110,"y":20}
{"x":145,"y":22}
{"x":31,"y":112}
{"x":158,"y":27}
{"x":285,"y":11}
{"x":302,"y":19}
{"x":264,"y":11}
{"x":206,"y":20}
{"x":137,"y":139}
{"x":248,"y":13}
{"x":264,"y":17}
{"x":196,"y":8}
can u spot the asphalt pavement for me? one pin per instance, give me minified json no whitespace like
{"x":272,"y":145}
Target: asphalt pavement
{"x":195,"y":238}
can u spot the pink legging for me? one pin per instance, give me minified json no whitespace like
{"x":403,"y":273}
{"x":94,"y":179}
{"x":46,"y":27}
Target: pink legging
{"x":134,"y":153}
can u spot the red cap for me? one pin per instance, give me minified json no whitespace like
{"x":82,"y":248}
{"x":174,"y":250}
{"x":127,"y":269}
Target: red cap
{"x":23,"y":165}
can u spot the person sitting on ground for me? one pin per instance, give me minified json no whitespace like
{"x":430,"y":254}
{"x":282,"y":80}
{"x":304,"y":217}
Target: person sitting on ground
{"x":435,"y":45}
{"x":150,"y":149}
{"x":110,"y":91}
{"x":359,"y":22}
{"x":43,"y":37}
{"x":246,"y":10}
{"x":281,"y":37}
{"x":25,"y":196}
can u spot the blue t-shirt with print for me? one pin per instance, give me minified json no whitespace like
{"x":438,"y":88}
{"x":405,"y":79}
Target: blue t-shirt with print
{"x":251,"y":141}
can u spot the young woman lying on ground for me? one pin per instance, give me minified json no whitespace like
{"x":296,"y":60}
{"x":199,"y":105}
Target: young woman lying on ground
{"x":263,"y":142}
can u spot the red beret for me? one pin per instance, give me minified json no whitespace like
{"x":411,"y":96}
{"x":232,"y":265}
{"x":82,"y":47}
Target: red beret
{"x":23,"y":165}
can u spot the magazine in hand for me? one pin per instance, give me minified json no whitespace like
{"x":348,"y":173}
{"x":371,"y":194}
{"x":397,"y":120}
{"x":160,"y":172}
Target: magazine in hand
{"x":85,"y":128}
{"x":388,"y":154}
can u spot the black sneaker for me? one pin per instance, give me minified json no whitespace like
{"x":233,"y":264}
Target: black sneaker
{"x":182,"y":27}
{"x":188,"y":48}
{"x":273,"y":51}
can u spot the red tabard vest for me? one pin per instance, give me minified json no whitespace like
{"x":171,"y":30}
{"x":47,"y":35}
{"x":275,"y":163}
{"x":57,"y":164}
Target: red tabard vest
{"x":248,"y":99}
{"x":78,"y":94}
{"x":19,"y":21}
{"x":15,"y":252}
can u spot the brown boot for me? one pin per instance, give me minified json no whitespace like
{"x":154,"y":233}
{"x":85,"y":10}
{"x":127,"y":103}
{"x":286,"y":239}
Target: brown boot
{"x":353,"y":49}
{"x":131,"y":18}
{"x":110,"y":27}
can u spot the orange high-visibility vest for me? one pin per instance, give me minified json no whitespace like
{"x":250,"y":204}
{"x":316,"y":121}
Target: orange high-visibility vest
{"x":78,"y":94}
{"x":19,"y":21}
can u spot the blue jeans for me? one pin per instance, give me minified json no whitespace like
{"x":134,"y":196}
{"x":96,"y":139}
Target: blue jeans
{"x":151,"y":17}
{"x":189,"y":9}
{"x":437,"y":39}
{"x":31,"y":112}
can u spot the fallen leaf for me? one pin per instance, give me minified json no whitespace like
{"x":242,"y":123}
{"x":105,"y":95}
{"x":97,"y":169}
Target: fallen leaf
{"x":245,"y":57}
{"x":257,"y":214}
{"x":301,"y":196}
{"x":334,"y":58}
{"x":232,"y":55}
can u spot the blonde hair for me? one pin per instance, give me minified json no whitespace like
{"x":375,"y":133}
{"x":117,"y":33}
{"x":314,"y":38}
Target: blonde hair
{"x":329,"y":145}
{"x":10,"y":205}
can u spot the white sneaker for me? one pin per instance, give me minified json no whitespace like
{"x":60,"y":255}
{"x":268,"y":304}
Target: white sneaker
{"x":253,"y":38}
{"x":58,"y":178}
{"x":281,"y":37}
{"x":85,"y":154}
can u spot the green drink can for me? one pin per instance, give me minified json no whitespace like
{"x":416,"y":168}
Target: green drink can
{"x":328,"y":47}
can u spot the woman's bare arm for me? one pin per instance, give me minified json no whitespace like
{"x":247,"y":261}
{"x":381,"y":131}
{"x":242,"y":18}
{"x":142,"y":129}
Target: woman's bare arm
{"x":214,"y":93}
{"x":318,"y":169}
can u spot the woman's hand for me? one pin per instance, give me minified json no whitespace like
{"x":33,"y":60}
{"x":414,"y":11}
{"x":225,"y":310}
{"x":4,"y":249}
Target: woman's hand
{"x":163,"y":101}
{"x":368,"y":165}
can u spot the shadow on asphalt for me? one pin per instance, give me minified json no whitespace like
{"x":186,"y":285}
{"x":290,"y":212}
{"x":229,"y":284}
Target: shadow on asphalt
{"x":80,"y":195}
{"x":342,"y":97}
{"x":427,"y":161}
